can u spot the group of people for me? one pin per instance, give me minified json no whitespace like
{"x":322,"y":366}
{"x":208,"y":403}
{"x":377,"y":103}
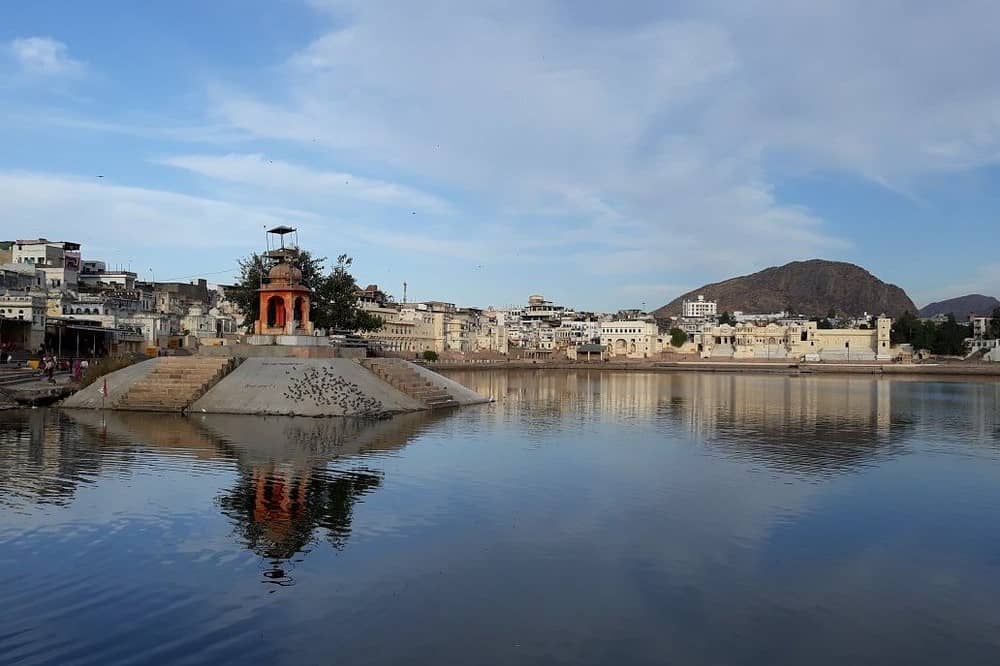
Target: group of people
{"x":50,"y":363}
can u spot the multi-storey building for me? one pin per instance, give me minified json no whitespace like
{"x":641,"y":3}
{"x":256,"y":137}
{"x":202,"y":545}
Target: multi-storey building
{"x":59,"y":261}
{"x":700,"y":308}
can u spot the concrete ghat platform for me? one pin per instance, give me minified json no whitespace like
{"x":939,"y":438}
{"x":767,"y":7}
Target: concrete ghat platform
{"x":312,"y":387}
{"x":286,"y":387}
{"x":303,"y":387}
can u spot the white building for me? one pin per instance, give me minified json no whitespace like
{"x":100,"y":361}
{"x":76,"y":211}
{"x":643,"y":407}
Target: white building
{"x":539,"y":309}
{"x":95,"y":275}
{"x":631,"y":339}
{"x":60,"y":261}
{"x":700,"y":308}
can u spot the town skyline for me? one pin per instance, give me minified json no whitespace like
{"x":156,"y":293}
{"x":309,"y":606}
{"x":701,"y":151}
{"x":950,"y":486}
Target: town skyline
{"x":682,"y":150}
{"x":403,"y":292}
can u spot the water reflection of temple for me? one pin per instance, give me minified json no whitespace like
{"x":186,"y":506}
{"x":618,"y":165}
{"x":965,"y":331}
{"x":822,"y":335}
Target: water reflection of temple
{"x":298,"y":480}
{"x":288,"y":493}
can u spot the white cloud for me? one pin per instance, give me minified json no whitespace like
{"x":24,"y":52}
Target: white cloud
{"x":654,"y":137}
{"x":119,"y":216}
{"x":578,"y":136}
{"x":44,"y":56}
{"x":260,"y":172}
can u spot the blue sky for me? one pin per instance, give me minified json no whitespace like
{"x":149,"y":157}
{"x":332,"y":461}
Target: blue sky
{"x":606,"y":156}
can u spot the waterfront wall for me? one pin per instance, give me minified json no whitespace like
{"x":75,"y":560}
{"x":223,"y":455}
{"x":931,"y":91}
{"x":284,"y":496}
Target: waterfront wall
{"x":780,"y":367}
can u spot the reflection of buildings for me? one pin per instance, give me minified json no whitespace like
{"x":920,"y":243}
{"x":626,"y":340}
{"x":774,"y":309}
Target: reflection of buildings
{"x":810,"y":423}
{"x":42,"y":457}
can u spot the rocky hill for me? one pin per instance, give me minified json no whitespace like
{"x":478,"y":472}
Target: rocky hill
{"x":961,"y":306}
{"x":808,"y":287}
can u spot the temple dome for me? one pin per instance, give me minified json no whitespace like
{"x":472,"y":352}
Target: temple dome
{"x":284,"y":273}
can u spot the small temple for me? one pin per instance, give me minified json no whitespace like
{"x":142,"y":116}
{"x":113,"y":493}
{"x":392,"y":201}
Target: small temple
{"x":284,"y":300}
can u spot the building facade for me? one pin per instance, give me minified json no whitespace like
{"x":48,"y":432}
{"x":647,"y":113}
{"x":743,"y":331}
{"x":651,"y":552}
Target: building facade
{"x":795,"y":340}
{"x":631,"y":338}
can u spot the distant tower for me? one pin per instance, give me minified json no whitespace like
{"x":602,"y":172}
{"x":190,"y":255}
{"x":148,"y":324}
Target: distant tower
{"x":883,"y":338}
{"x":404,"y":293}
{"x":284,"y":300}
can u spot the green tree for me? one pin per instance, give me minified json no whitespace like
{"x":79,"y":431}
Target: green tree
{"x":949,"y":337}
{"x":677,"y":337}
{"x":994,"y":329}
{"x":430,"y":355}
{"x":904,"y":328}
{"x":335,"y":301}
{"x":726,"y":318}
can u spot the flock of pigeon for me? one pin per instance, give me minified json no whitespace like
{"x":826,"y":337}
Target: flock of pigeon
{"x":326,"y":387}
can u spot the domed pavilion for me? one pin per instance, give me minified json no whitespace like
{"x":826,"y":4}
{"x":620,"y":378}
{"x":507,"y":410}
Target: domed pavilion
{"x":284,"y":300}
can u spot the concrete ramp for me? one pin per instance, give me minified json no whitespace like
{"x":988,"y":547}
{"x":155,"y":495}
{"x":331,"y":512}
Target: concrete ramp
{"x":304,"y":387}
{"x":119,"y":382}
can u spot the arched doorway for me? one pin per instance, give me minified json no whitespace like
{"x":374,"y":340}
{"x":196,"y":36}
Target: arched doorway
{"x":276,"y":312}
{"x":619,"y":346}
{"x":297,"y":310}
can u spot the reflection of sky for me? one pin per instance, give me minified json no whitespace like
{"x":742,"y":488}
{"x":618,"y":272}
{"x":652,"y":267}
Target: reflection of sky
{"x":580,"y":537}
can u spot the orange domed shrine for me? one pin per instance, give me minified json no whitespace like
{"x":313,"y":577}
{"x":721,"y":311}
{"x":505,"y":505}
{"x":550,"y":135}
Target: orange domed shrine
{"x":284,"y":300}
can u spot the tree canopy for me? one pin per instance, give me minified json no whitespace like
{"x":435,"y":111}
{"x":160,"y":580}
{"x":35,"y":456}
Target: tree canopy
{"x":335,"y":297}
{"x":677,"y":337}
{"x":947,"y":338}
{"x":994,"y":329}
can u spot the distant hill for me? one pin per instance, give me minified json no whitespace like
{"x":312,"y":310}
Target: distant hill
{"x":961,"y":306}
{"x":809,"y":287}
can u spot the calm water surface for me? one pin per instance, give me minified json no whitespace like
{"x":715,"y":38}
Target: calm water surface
{"x":583,"y":518}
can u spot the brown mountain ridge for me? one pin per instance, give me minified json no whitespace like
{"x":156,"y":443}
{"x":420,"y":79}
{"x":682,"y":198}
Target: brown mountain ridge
{"x":806,"y":287}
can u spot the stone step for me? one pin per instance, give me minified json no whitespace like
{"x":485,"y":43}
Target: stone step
{"x":176,"y":390}
{"x":450,"y":402}
{"x":175,"y":383}
{"x":190,"y":379}
{"x":429,"y":393}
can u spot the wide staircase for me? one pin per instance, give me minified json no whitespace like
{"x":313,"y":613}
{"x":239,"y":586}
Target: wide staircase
{"x":175,"y":383}
{"x":400,"y":375}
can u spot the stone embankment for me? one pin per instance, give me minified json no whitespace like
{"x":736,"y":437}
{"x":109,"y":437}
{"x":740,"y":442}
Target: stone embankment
{"x":273,"y":386}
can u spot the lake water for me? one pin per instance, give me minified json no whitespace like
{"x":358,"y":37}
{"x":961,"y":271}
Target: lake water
{"x":582,"y":518}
